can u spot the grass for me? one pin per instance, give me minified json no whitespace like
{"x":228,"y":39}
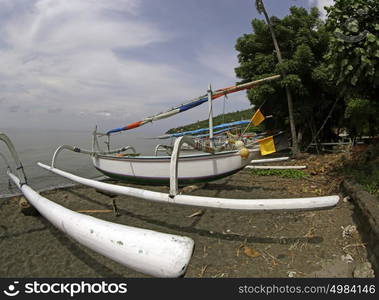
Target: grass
{"x":294,"y":174}
{"x":370,"y":179}
{"x":366,"y":175}
{"x":372,"y":188}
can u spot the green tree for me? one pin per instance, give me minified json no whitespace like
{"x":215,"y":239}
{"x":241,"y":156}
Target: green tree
{"x":303,"y":41}
{"x":353,"y":61}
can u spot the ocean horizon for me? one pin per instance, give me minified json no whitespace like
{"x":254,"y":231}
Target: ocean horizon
{"x":38,"y":145}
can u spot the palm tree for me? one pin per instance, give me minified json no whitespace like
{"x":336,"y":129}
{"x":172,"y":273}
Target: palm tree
{"x":261,"y":9}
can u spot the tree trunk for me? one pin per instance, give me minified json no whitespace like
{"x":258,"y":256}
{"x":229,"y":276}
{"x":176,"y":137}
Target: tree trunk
{"x":295,"y":146}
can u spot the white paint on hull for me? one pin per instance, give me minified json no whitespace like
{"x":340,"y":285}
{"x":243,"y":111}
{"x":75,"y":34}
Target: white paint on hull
{"x":150,"y":252}
{"x":239,"y":204}
{"x":189,"y":167}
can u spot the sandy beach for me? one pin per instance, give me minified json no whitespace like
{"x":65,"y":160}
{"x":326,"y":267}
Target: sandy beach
{"x":227,"y":243}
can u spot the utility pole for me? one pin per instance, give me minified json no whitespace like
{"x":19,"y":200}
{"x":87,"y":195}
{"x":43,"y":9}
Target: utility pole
{"x":261,"y":9}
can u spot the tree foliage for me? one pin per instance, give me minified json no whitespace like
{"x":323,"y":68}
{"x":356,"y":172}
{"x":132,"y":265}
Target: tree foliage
{"x":303,"y":40}
{"x":332,"y":68}
{"x":217,"y":120}
{"x":353,"y":61}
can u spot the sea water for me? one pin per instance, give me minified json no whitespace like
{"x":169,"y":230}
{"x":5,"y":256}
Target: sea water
{"x":38,"y":145}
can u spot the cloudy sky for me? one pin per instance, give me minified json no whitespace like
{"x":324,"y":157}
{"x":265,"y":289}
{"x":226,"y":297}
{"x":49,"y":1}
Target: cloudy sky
{"x":76,"y":63}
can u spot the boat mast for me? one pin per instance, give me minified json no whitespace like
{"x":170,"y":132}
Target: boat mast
{"x":210,"y":116}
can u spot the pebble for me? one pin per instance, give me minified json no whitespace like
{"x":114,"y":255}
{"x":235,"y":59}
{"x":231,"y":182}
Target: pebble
{"x":291,"y":274}
{"x":347,"y":258}
{"x":346,"y":199}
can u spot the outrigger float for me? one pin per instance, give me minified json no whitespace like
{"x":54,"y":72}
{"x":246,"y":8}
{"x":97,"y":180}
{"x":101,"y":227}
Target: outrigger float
{"x":149,"y":252}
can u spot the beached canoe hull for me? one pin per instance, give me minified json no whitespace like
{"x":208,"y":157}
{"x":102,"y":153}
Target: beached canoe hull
{"x":156,"y":169}
{"x":147,"y":251}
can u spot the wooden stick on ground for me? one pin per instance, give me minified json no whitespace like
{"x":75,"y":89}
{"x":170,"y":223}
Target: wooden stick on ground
{"x":115,"y":209}
{"x":277,"y":167}
{"x":94,"y":211}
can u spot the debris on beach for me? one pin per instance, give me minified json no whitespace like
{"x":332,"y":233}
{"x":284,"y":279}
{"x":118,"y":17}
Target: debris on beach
{"x":196,"y":214}
{"x":250,"y":252}
{"x":348,"y":230}
{"x":202,"y":271}
{"x":291,"y":274}
{"x":346,"y":199}
{"x":25,"y":207}
{"x":347,"y":258}
{"x":192,"y":188}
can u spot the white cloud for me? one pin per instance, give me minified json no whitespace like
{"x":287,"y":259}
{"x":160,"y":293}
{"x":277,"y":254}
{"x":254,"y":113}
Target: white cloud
{"x":67,"y":63}
{"x":60,"y":54}
{"x":104,"y":113}
{"x":219,"y":59}
{"x":321,"y":4}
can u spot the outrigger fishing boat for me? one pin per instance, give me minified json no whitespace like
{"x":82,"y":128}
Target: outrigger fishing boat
{"x":174,"y":197}
{"x":208,"y":164}
{"x":147,"y":251}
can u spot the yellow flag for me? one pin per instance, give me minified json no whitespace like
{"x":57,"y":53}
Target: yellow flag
{"x":267,"y":145}
{"x":257,"y":118}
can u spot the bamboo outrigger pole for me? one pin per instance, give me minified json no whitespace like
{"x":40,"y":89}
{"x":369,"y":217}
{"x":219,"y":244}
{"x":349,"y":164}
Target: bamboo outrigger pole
{"x":210,"y":116}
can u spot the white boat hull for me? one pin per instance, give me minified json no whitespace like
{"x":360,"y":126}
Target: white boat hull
{"x":150,"y":252}
{"x":156,"y":169}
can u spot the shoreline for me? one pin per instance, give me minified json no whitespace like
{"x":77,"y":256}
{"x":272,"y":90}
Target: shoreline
{"x":50,"y":188}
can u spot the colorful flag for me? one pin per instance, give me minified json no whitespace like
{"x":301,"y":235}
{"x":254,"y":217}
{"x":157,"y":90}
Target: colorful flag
{"x":258,"y":118}
{"x":273,"y":144}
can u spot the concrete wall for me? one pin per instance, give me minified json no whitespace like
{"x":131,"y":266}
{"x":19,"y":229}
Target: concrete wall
{"x":367,"y":218}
